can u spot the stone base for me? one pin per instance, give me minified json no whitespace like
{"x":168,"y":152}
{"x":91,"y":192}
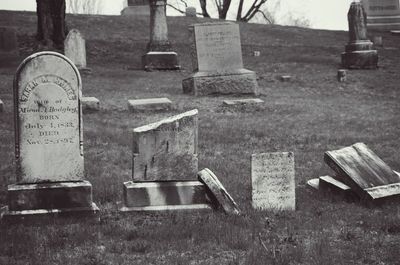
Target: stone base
{"x":148,"y":104}
{"x":365,"y":59}
{"x":160,"y":61}
{"x":50,"y":199}
{"x":90,"y":103}
{"x":236,"y":82}
{"x":165,"y":195}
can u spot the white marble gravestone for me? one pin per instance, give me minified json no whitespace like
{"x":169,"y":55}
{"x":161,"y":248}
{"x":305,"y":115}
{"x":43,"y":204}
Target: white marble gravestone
{"x":75,"y":48}
{"x":273,"y":181}
{"x":216,"y":54}
{"x":48,"y":135}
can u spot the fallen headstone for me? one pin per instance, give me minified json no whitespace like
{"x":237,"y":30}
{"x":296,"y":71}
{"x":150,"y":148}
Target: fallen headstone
{"x":273,"y":181}
{"x":218,"y":191}
{"x":217,"y":61}
{"x":49,"y":145}
{"x":361,"y":169}
{"x":164,"y":195}
{"x":149,"y":104}
{"x":230,"y":102}
{"x":335,"y":186}
{"x":90,"y":103}
{"x":166,"y":150}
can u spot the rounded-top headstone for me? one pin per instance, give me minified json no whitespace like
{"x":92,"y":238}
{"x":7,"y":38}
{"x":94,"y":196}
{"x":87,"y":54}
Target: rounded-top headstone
{"x":48,"y":119}
{"x":75,"y":48}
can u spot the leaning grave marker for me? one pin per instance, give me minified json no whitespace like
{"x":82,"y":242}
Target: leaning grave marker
{"x":217,"y":61}
{"x":48,"y":139}
{"x":273,"y":181}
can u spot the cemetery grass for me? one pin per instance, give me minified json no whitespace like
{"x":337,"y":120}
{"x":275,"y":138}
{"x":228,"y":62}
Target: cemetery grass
{"x":308,"y":115}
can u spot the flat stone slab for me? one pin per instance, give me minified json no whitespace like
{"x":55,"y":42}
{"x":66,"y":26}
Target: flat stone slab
{"x":166,"y":150}
{"x":361,"y":169}
{"x":167,"y":208}
{"x":90,"y":103}
{"x":1,"y":106}
{"x":230,"y":102}
{"x":168,"y":194}
{"x":149,"y":104}
{"x":218,"y":191}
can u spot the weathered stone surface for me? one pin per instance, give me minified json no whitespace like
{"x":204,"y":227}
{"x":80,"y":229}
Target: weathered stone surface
{"x":215,"y":187}
{"x":149,"y":104}
{"x":190,"y":11}
{"x":90,"y":103}
{"x":160,"y":61}
{"x":166,"y":150}
{"x":139,"y":196}
{"x":359,"y":53}
{"x":75,"y":48}
{"x":341,"y":75}
{"x":382,"y":14}
{"x":273,"y":181}
{"x":1,"y":106}
{"x":48,"y":115}
{"x":230,"y":102}
{"x":49,"y":195}
{"x":239,"y":82}
{"x":361,"y":169}
{"x":217,"y":61}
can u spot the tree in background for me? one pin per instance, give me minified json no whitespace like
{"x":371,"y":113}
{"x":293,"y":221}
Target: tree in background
{"x":252,"y":11}
{"x":51,"y":27}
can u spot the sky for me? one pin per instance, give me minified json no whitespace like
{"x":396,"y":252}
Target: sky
{"x":322,"y":14}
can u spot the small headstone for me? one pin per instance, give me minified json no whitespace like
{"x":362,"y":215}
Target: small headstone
{"x":256,"y":53}
{"x":48,"y":147}
{"x":1,"y":106}
{"x":377,"y":40}
{"x":217,"y":61}
{"x":285,"y":78}
{"x":341,"y":75}
{"x":166,"y":150}
{"x":218,"y":191}
{"x":90,"y":103}
{"x":361,"y":169}
{"x":8,"y":45}
{"x":190,"y":11}
{"x":230,"y":102}
{"x":75,"y":48}
{"x":273,"y":181}
{"x":149,"y":104}
{"x":359,"y":52}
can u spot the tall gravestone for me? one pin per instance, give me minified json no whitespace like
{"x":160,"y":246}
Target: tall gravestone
{"x":136,"y":8}
{"x":382,"y":14}
{"x":8,"y":45}
{"x":217,"y":61}
{"x":75,"y":49}
{"x":273,"y":181}
{"x":159,"y":54}
{"x":48,"y":139}
{"x":359,"y":52}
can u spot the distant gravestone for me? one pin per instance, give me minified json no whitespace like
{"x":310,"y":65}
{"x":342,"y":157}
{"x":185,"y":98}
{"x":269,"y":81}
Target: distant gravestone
{"x":75,"y":48}
{"x":190,"y":11}
{"x":217,"y":61}
{"x":166,"y":150}
{"x":48,"y":148}
{"x":273,"y":181}
{"x":149,"y":104}
{"x":8,"y":45}
{"x":382,"y":14}
{"x":359,"y":52}
{"x":159,"y":54}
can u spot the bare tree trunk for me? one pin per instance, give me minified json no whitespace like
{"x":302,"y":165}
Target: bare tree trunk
{"x":223,"y":10}
{"x":203,"y":5}
{"x":51,"y":27}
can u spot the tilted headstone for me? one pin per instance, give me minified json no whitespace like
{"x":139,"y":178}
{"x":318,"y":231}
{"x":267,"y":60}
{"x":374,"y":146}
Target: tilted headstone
{"x":75,"y":48}
{"x":48,"y":134}
{"x":159,"y":54}
{"x":8,"y":45}
{"x":166,"y":150}
{"x":217,"y":61}
{"x":273,"y":181}
{"x":382,"y":14}
{"x":359,"y":53}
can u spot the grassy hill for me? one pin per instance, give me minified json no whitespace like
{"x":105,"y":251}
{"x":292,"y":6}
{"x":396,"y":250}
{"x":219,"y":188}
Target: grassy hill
{"x":309,"y":115}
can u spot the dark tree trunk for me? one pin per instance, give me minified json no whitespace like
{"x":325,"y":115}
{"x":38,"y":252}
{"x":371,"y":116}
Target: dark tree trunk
{"x":51,"y":27}
{"x":203,"y":5}
{"x":223,"y":10}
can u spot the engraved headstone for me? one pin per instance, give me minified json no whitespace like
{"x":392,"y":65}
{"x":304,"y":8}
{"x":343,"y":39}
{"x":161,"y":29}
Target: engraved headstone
{"x":48,"y":135}
{"x":75,"y":48}
{"x":217,"y":61}
{"x":166,"y":150}
{"x":382,"y":14}
{"x":273,"y":181}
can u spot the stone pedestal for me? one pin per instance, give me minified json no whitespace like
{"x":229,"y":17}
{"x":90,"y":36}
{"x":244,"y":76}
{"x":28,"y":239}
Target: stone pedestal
{"x":359,"y":52}
{"x":241,"y":81}
{"x":61,"y":198}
